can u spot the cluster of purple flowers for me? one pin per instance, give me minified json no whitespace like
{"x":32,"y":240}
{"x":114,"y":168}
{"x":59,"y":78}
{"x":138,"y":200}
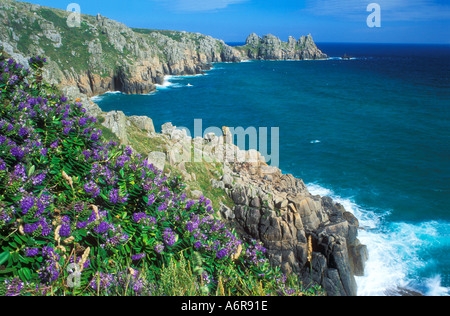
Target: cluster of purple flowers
{"x":144,"y":219}
{"x":6,"y":215}
{"x":37,"y":205}
{"x":254,"y":253}
{"x":31,"y":252}
{"x":102,"y":282}
{"x":92,"y":189}
{"x":14,"y":287}
{"x":159,"y":248}
{"x":210,"y":234}
{"x":39,"y":228}
{"x":115,"y":197}
{"x":65,"y":230}
{"x":169,"y":237}
{"x":138,"y":257}
{"x":133,"y":281}
{"x":50,"y":271}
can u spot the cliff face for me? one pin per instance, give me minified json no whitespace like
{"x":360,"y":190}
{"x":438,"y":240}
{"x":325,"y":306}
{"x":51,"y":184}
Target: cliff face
{"x":101,"y":54}
{"x":311,"y":236}
{"x":270,"y":47}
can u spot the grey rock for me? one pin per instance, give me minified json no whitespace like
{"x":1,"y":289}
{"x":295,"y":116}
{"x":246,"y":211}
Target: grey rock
{"x":239,"y":196}
{"x":196,"y":194}
{"x":228,"y":181}
{"x":226,"y":212}
{"x":284,"y":216}
{"x":116,"y":121}
{"x":143,"y":122}
{"x":158,"y":159}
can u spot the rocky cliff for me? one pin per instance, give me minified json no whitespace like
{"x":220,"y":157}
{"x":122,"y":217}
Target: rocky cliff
{"x":103,"y":55}
{"x":270,"y":47}
{"x":309,"y":235}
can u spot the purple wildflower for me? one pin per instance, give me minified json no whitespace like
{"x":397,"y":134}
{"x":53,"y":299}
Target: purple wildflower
{"x":139,"y":217}
{"x":169,"y":237}
{"x":162,"y":207}
{"x":32,"y":252}
{"x":114,"y":196}
{"x":18,"y":153}
{"x":102,"y":281}
{"x":92,"y":189}
{"x":221,"y":254}
{"x":159,"y":248}
{"x":138,"y":257}
{"x":26,"y":204}
{"x":2,"y":165}
{"x":82,"y":121}
{"x":37,"y":180}
{"x":23,"y":132}
{"x":13,"y":287}
{"x":65,"y":230}
{"x":151,"y":199}
{"x":103,"y":227}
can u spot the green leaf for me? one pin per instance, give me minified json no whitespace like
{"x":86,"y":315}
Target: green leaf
{"x":25,"y":274}
{"x":8,"y":270}
{"x":31,"y":171}
{"x":4,"y":257}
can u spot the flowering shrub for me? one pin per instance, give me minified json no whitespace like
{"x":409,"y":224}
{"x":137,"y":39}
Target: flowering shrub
{"x":69,"y":197}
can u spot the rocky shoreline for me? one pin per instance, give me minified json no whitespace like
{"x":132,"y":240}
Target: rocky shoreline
{"x":311,"y":236}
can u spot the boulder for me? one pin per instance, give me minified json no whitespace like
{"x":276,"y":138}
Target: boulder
{"x":143,"y":122}
{"x":116,"y":121}
{"x":158,"y":159}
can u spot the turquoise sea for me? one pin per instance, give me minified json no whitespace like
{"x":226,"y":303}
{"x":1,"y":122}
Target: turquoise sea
{"x":372,"y":132}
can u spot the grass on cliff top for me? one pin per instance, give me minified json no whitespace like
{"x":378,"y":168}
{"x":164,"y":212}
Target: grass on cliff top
{"x":74,"y":52}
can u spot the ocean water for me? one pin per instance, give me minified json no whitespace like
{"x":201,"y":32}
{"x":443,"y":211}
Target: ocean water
{"x":372,"y":132}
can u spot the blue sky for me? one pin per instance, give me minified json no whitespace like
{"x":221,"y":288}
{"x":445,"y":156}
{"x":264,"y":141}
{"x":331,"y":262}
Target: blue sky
{"x":402,"y":21}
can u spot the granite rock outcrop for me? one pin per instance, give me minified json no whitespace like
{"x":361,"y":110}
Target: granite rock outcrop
{"x":311,"y":236}
{"x":270,"y":47}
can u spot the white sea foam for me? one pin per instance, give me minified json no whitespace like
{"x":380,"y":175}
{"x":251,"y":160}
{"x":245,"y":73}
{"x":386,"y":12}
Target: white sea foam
{"x":166,"y":84}
{"x":315,"y":141}
{"x":98,"y":98}
{"x":435,"y":288}
{"x":395,"y":250}
{"x":169,"y":82}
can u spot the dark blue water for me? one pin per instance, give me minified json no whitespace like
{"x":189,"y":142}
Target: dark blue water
{"x":372,"y":132}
